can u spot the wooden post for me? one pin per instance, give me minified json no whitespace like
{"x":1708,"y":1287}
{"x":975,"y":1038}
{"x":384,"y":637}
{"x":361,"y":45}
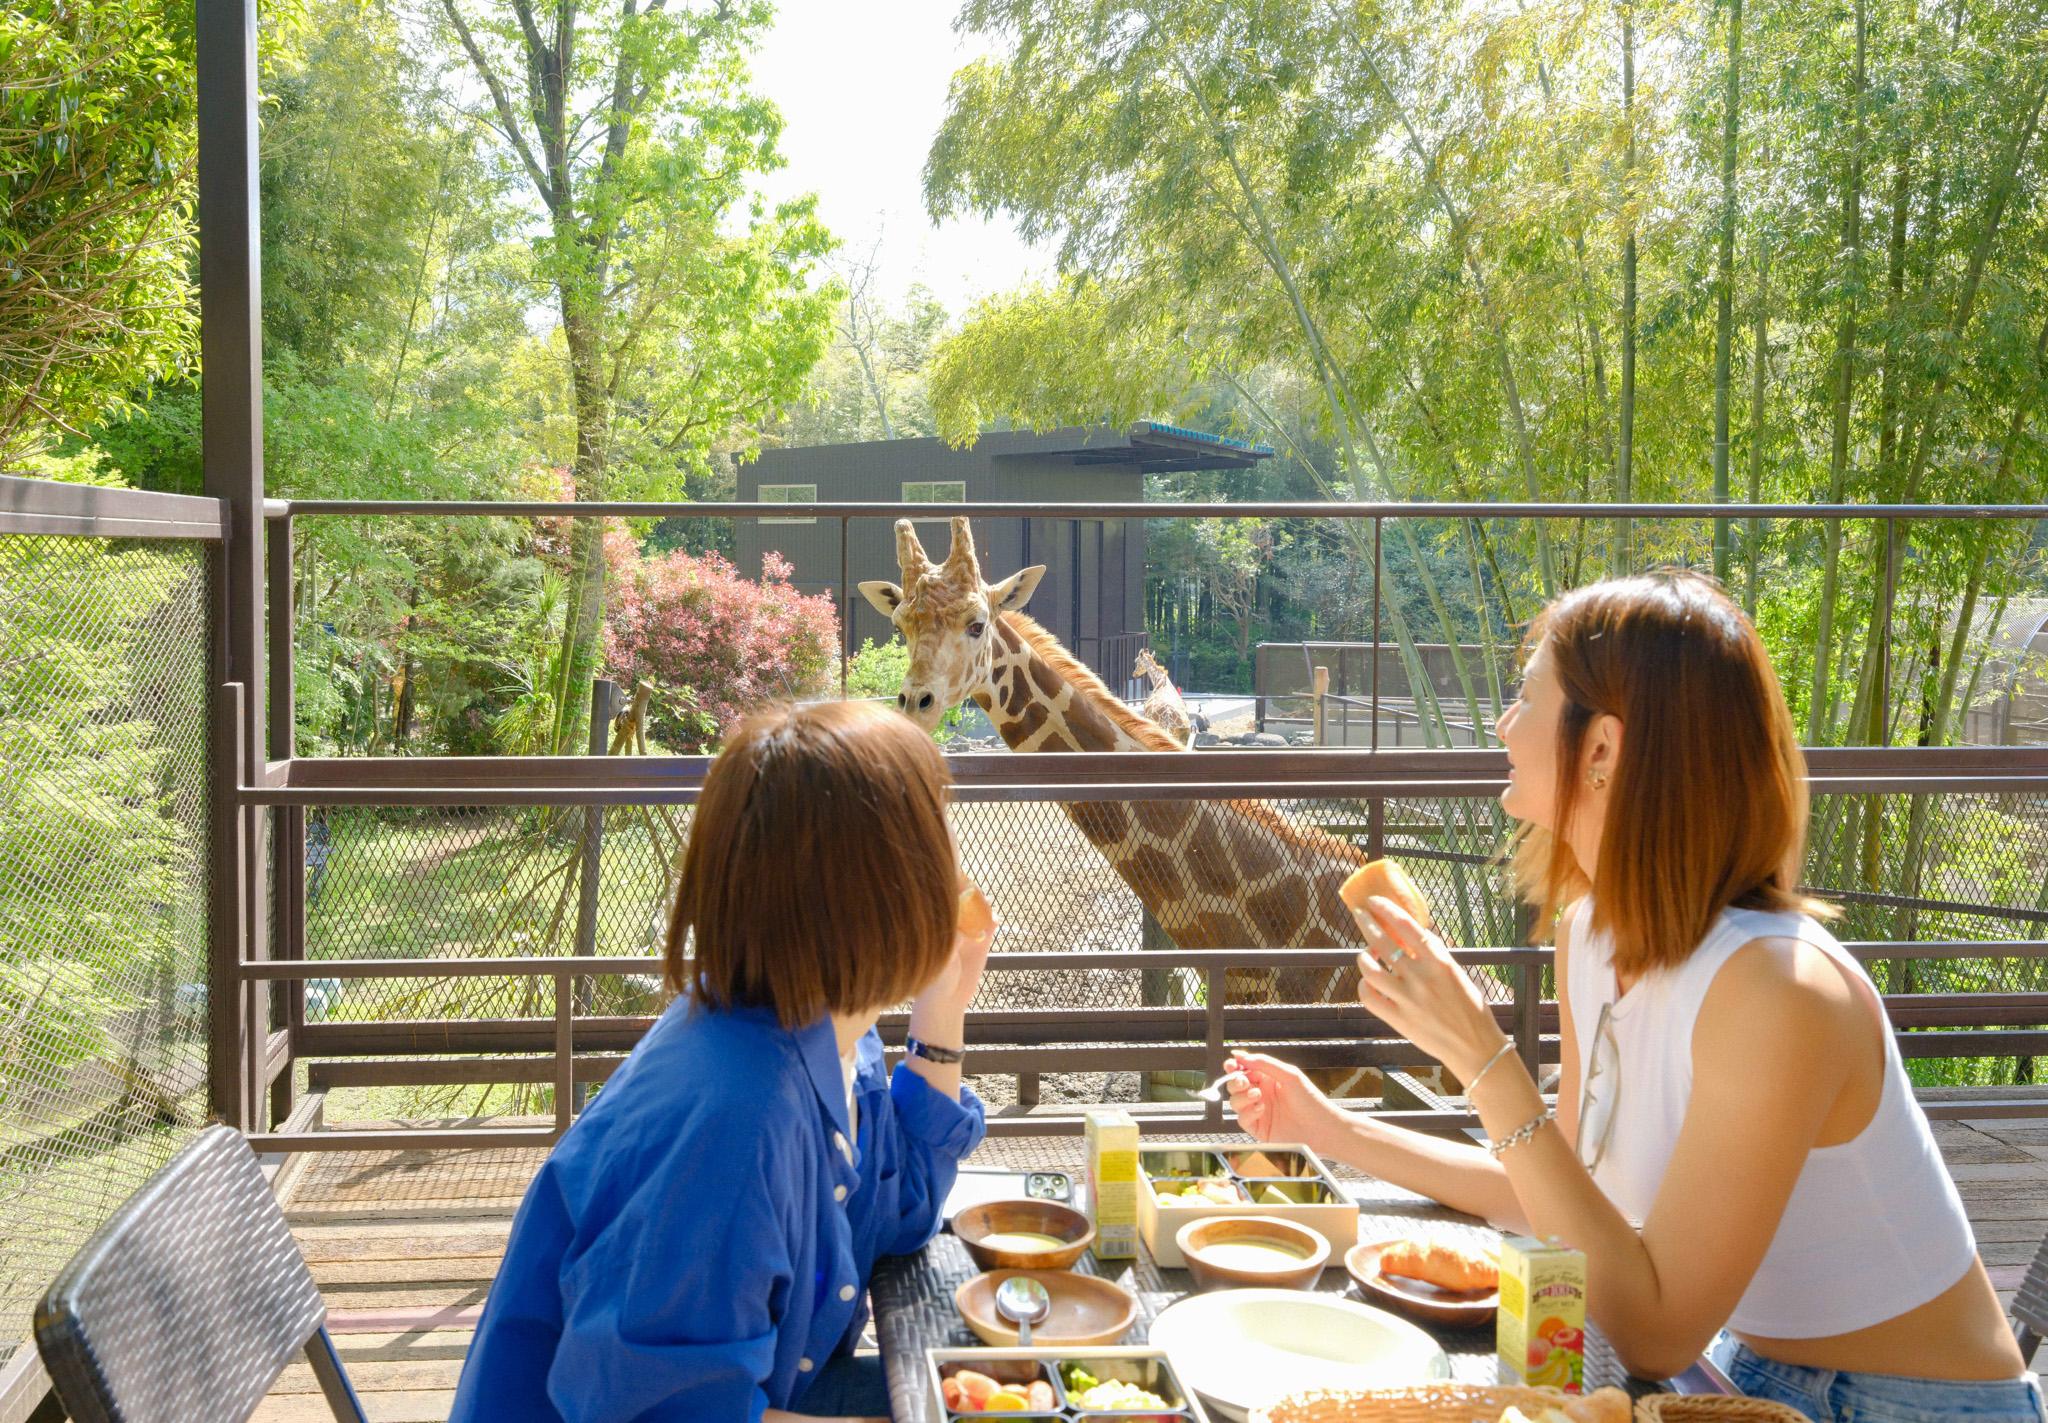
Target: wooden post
{"x":231,"y":414}
{"x":1322,"y":691}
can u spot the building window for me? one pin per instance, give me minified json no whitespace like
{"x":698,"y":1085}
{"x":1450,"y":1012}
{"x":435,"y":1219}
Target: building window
{"x":935,"y":491}
{"x":789,"y":494}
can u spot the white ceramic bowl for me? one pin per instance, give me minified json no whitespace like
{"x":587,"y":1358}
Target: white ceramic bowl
{"x":1242,"y":1349}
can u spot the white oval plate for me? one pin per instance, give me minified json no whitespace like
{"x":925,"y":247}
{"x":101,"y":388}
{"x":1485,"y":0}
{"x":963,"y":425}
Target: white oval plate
{"x":1241,"y":1349}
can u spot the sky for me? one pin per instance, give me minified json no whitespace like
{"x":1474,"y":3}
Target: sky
{"x":862,"y":89}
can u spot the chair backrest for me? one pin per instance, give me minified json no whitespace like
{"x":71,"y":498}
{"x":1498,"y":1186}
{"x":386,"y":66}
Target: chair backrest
{"x":188,"y":1304}
{"x":2030,"y":1305}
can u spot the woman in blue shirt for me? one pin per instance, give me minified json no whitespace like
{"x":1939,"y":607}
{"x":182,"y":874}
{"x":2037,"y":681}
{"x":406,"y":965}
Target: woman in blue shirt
{"x":698,"y":1245}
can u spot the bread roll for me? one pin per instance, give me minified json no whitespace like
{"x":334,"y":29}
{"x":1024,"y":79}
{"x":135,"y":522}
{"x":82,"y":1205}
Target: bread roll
{"x":1603,"y":1405}
{"x":1389,"y":880}
{"x":977,"y":919}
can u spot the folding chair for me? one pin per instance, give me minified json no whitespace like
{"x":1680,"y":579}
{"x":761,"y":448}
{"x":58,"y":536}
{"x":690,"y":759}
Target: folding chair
{"x":190,"y":1302}
{"x":2030,"y":1306}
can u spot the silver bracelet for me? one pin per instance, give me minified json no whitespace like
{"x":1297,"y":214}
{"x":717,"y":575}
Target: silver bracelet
{"x":1507,"y":1046}
{"x":1520,"y":1134}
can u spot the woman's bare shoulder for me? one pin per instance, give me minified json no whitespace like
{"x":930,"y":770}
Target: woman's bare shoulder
{"x":1780,"y":982}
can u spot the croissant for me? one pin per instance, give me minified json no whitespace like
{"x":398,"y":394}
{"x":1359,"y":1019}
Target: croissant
{"x":1446,"y":1266}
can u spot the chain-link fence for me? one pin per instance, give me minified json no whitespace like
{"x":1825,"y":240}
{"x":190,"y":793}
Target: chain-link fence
{"x":103,"y":815}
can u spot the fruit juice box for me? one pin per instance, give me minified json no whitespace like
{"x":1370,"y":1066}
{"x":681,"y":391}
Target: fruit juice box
{"x":1112,"y":1140}
{"x":1542,"y":1314}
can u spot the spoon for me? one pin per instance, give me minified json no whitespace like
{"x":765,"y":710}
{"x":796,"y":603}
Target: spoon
{"x":1214,"y":1091}
{"x":1024,"y":1302}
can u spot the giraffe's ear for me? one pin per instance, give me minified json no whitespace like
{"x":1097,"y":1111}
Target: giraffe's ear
{"x":1015,"y":591}
{"x":886,"y":596}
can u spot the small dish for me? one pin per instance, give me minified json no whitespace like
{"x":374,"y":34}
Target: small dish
{"x":982,"y":1228}
{"x":1461,"y":1309}
{"x":1224,"y":1252}
{"x":1085,"y":1310}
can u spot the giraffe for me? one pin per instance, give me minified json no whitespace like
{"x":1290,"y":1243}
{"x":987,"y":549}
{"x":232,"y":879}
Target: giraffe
{"x":1213,"y":874}
{"x":1164,"y":707}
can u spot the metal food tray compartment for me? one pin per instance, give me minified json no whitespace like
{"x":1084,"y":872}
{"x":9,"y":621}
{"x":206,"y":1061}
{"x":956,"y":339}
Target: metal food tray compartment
{"x":1316,"y":1199}
{"x":1148,"y":1368}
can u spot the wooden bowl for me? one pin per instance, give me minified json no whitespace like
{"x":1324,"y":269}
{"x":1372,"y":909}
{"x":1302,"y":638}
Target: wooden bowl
{"x":1205,"y":1245}
{"x":1085,"y":1309}
{"x":975,"y":1224}
{"x":1461,"y":1309}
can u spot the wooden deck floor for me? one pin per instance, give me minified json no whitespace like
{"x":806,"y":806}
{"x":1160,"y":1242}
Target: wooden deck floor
{"x":404,"y":1246}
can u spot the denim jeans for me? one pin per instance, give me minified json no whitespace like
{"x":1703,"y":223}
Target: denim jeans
{"x":1836,"y":1396}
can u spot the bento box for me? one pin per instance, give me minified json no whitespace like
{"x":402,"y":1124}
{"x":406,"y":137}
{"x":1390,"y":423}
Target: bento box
{"x":1070,"y":1378}
{"x":1230,"y":1178}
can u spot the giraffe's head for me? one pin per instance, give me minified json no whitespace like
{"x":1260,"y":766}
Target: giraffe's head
{"x":946,"y":615}
{"x":1147,"y":664}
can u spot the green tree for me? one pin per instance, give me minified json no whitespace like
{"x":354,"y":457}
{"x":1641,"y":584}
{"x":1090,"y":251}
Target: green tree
{"x":681,"y":299}
{"x":872,"y":383}
{"x":96,"y":173}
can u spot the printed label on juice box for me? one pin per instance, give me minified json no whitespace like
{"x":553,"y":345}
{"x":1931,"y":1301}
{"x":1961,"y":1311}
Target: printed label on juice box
{"x":1112,"y":1141}
{"x":1542,"y":1328}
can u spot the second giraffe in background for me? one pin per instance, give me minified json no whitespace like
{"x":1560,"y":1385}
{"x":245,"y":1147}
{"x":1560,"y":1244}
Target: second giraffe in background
{"x":1163,"y":705}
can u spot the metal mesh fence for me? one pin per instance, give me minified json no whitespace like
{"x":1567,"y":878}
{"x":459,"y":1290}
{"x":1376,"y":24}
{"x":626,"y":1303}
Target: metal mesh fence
{"x":474,"y":882}
{"x":103,"y":663}
{"x":486,"y":882}
{"x":506,"y":881}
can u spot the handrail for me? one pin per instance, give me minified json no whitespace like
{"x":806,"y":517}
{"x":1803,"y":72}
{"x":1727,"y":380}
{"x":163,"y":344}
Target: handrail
{"x":1282,"y":509}
{"x":30,"y":506}
{"x":1191,"y":1035}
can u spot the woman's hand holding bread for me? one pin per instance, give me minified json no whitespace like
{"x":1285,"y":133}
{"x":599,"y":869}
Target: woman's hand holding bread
{"x":1407,"y":977}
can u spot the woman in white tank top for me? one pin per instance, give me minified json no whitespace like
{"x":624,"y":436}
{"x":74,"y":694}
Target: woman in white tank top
{"x":1736,"y":1145}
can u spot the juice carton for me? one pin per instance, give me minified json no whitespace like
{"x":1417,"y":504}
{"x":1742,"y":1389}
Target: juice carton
{"x":1542,"y":1314}
{"x":1112,"y":1140}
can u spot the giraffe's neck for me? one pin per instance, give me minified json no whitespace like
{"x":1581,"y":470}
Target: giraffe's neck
{"x":1158,"y":676}
{"x":1214,"y":874}
{"x":1039,"y":706}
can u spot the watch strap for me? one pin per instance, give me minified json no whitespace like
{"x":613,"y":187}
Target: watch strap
{"x":918,"y":1047}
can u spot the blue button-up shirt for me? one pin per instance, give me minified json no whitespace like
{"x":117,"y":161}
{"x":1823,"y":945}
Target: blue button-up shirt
{"x":699,"y":1243}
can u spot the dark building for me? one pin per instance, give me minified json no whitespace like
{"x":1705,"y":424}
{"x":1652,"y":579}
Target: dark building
{"x":1093,"y":594}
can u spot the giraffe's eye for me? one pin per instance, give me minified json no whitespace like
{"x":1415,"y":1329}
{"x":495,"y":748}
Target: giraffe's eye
{"x":976,"y":629}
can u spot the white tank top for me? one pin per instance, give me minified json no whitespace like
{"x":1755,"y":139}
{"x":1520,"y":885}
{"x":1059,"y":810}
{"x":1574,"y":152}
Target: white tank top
{"x":1874,"y":1227}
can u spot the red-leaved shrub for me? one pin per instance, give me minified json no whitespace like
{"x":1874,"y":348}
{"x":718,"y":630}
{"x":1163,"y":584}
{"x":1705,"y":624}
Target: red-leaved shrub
{"x":714,"y":644}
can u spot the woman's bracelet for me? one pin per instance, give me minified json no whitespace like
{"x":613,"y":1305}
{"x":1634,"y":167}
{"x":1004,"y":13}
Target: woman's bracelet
{"x":1507,"y":1046}
{"x":1520,"y":1134}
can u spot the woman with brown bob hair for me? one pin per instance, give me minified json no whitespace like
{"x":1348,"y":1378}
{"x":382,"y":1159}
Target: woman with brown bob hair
{"x":698,"y":1245}
{"x":1736,"y":1146}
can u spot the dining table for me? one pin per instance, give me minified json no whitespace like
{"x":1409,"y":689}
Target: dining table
{"x":914,"y":1312}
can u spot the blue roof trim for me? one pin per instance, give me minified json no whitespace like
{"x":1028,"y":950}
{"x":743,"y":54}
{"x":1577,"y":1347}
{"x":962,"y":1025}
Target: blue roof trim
{"x":1205,"y":438}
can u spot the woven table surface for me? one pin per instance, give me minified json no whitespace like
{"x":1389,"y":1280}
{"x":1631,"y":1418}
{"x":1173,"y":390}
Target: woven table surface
{"x":913,"y":1294}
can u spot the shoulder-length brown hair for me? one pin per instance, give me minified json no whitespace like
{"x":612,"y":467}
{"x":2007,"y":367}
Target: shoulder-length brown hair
{"x":1708,"y":806}
{"x":820,"y":874}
